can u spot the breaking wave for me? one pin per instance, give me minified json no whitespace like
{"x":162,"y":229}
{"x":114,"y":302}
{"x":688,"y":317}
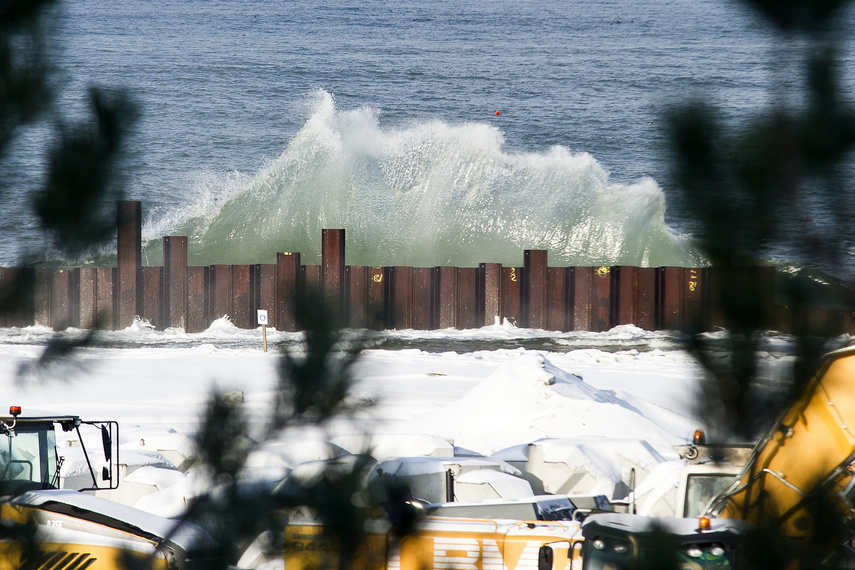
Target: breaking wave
{"x":423,"y":194}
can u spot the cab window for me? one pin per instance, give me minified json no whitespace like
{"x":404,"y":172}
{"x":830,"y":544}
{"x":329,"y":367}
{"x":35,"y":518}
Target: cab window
{"x":700,"y":489}
{"x":29,"y":455}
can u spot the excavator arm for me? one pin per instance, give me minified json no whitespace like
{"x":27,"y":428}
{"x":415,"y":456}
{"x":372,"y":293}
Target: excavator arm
{"x":810,"y":449}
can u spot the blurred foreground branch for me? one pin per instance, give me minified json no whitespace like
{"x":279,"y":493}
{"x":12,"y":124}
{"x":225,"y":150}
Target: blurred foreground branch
{"x":75,"y":203}
{"x":313,"y":389}
{"x":774,"y":189}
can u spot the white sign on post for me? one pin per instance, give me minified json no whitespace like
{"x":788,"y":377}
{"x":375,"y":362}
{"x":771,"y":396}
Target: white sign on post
{"x":262,"y":320}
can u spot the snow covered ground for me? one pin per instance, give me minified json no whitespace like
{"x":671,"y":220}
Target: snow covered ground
{"x":489,"y":404}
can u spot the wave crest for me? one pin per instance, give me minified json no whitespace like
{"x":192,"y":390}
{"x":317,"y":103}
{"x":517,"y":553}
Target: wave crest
{"x":429,"y":193}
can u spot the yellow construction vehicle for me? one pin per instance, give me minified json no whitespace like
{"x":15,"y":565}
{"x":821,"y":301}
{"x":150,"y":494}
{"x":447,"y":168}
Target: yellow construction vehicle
{"x":809,"y":450}
{"x":72,"y":529}
{"x":604,"y":541}
{"x":443,"y":543}
{"x":618,"y":541}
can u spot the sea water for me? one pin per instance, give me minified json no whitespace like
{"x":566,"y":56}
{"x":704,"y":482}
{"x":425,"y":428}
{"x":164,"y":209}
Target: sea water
{"x":435,"y":133}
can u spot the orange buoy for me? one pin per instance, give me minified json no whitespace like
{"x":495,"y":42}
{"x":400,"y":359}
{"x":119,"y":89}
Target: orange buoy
{"x":498,"y":113}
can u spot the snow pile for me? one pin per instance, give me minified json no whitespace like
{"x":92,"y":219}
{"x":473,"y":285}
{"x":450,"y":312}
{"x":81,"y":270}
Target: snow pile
{"x":441,"y":479}
{"x":529,"y":398}
{"x":506,"y":422}
{"x":388,"y":445}
{"x":587,"y":465}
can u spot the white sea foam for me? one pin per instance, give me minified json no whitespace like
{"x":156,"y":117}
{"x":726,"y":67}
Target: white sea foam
{"x":427,"y":193}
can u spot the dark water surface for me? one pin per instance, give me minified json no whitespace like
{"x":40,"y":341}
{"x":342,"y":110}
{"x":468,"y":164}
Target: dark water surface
{"x":263,"y":122}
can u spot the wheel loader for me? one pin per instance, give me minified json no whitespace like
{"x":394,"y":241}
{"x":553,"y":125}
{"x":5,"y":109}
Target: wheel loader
{"x":42,"y":526}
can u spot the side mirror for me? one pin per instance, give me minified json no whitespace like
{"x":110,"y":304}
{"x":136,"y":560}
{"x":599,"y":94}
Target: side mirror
{"x":107,"y":442}
{"x":545,"y":558}
{"x":631,"y":497}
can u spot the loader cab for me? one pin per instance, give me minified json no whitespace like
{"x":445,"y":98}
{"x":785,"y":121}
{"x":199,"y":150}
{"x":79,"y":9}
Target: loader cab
{"x":29,"y":458}
{"x":618,"y":541}
{"x":710,"y":467}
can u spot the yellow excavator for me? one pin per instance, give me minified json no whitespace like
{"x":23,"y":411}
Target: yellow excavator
{"x":806,"y":459}
{"x":45,"y":527}
{"x":809,"y":452}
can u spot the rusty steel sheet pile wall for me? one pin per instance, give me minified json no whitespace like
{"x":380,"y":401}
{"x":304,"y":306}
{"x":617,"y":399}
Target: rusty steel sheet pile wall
{"x":423,"y":298}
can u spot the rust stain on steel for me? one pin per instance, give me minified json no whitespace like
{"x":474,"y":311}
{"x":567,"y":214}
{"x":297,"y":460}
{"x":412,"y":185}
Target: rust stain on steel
{"x":512,"y":293}
{"x":175,"y":286}
{"x":129,"y":261}
{"x":288,"y":287}
{"x":332,"y":263}
{"x":626,"y":295}
{"x":60,"y":316}
{"x":376,"y":298}
{"x":422,"y":298}
{"x":646,"y":298}
{"x":240,"y":314}
{"x":601,"y":314}
{"x":534,"y":288}
{"x":467,"y":298}
{"x":152,"y":293}
{"x":263,"y":292}
{"x":557,"y":294}
{"x":493,"y":305}
{"x":105,"y":295}
{"x":446,"y":297}
{"x":582,"y":293}
{"x":401,"y":301}
{"x":671,"y":297}
{"x":357,"y":301}
{"x":197,"y":292}
{"x":221,"y":291}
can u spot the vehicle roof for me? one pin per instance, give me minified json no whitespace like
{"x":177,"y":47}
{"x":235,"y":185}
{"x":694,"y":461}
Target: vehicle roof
{"x":527,"y":508}
{"x":621,"y":524}
{"x":713,"y":469}
{"x":721,"y":453}
{"x":40,"y":418}
{"x":35,"y":415}
{"x":538,"y":507}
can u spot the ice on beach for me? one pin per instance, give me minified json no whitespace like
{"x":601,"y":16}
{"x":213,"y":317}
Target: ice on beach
{"x":657,"y":495}
{"x":388,"y":445}
{"x":440,"y":479}
{"x":486,"y":484}
{"x":595,"y":411}
{"x":178,"y":448}
{"x":172,"y":501}
{"x":588,"y":465}
{"x":529,"y":398}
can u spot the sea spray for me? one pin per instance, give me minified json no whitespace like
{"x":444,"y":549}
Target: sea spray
{"x":424,"y":194}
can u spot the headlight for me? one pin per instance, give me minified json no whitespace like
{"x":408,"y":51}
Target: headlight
{"x":717,"y":550}
{"x":695,"y":552}
{"x":611,"y":546}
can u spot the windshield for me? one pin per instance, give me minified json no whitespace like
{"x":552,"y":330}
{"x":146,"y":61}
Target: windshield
{"x":29,"y":455}
{"x":700,"y":489}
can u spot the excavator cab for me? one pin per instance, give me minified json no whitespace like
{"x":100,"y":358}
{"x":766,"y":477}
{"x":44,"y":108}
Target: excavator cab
{"x":29,"y":458}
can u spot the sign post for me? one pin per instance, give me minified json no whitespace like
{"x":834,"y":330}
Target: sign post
{"x":262,"y":320}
